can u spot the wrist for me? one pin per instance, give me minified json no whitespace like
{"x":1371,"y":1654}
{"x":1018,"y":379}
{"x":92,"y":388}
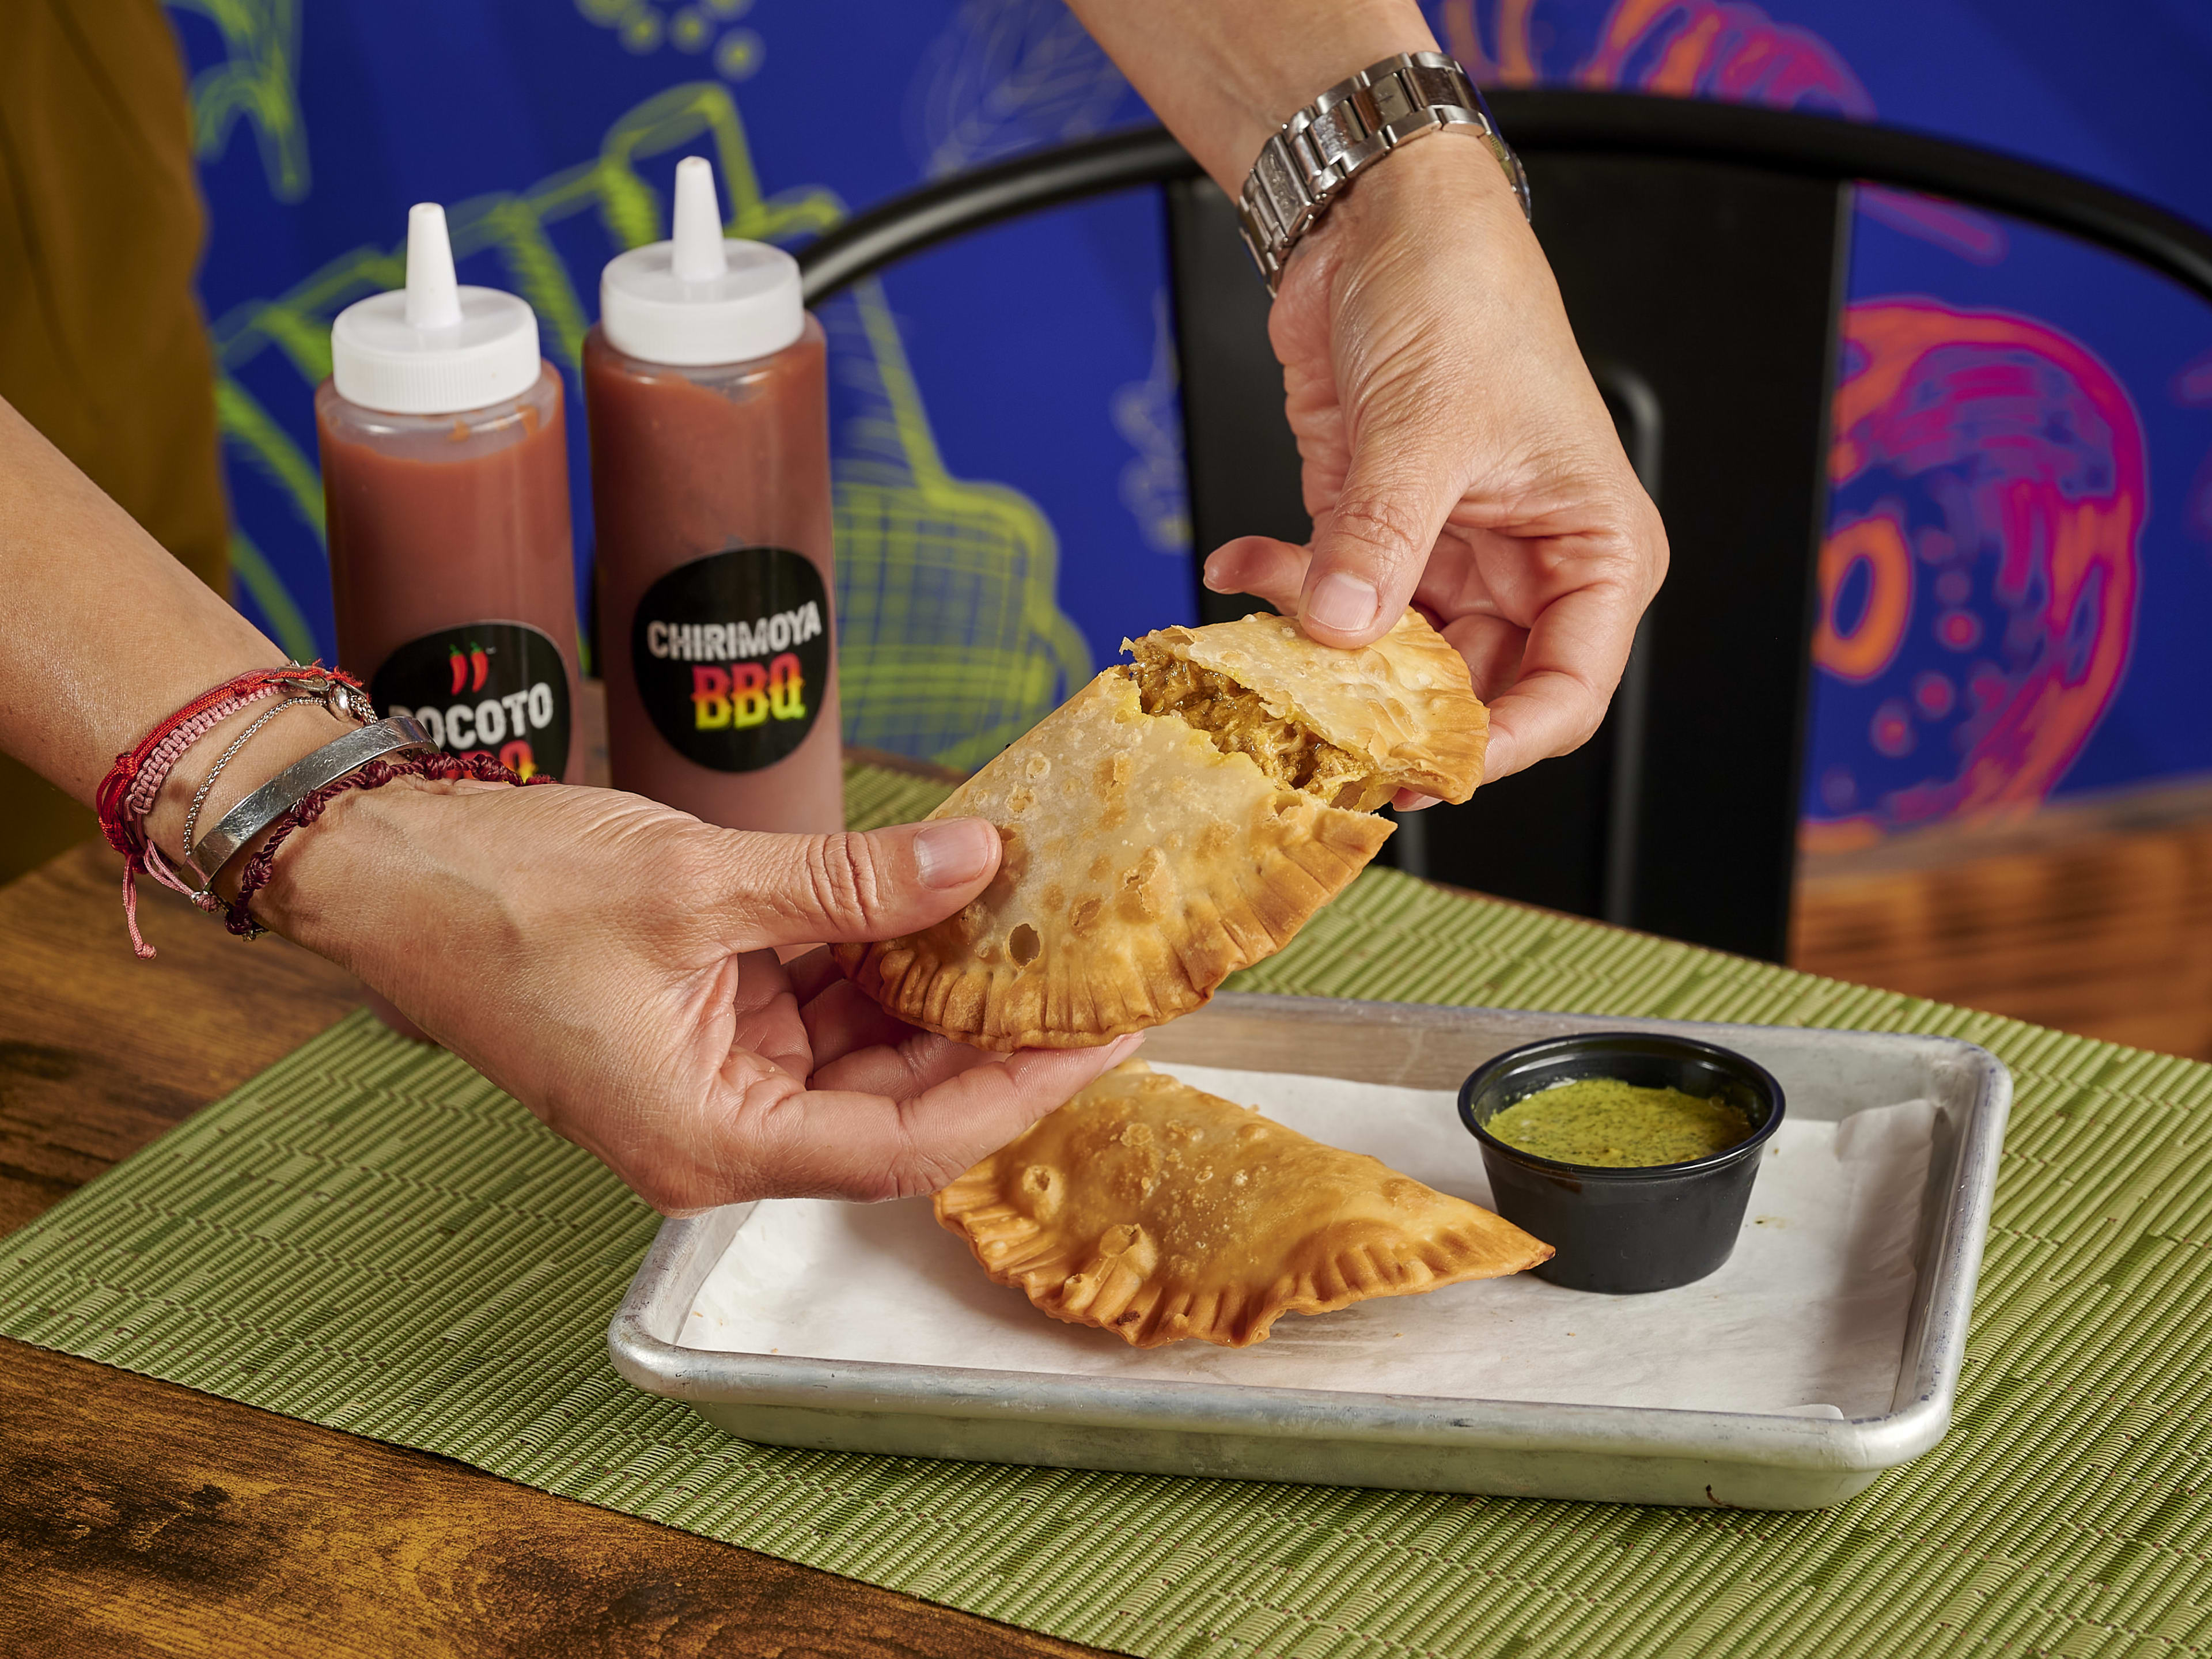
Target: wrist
{"x":1443,"y":172}
{"x":1355,"y":128}
{"x":1295,"y":64}
{"x":1445,"y":179}
{"x":286,"y":735}
{"x":341,"y":885}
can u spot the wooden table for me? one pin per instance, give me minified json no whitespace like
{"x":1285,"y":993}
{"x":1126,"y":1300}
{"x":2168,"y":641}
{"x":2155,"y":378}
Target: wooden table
{"x":139,"y":1517}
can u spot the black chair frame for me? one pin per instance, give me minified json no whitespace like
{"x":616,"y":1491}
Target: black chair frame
{"x":1733,"y":223}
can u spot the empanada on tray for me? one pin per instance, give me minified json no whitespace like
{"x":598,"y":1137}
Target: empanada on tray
{"x":1150,"y":1209}
{"x":1168,"y":825}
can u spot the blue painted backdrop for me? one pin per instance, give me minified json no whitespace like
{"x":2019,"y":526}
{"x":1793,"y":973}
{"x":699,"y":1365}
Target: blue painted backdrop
{"x":2021,"y":561}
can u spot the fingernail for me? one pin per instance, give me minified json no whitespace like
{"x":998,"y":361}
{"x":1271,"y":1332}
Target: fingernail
{"x":954,"y":852}
{"x":1214,"y":582}
{"x":1122,"y":1047}
{"x":1342,"y":602}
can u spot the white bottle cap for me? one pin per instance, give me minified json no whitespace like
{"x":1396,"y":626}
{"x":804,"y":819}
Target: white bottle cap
{"x":699,"y":299}
{"x":433,"y":348}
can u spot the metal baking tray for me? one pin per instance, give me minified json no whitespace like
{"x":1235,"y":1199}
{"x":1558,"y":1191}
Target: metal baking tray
{"x":1610,"y":1454}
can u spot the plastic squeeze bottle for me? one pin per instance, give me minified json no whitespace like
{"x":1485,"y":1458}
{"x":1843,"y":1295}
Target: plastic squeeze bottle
{"x":705,"y":383}
{"x":446,"y":479}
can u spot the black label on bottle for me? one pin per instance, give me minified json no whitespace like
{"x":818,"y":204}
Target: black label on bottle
{"x":488,"y":688}
{"x":732,"y":655}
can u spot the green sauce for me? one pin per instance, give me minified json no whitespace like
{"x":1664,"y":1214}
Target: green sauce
{"x":1612,"y":1125}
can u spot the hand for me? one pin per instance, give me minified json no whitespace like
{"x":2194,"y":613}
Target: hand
{"x":613,"y":964}
{"x":1457,"y":455}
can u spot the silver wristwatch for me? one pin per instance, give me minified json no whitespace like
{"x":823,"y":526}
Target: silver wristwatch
{"x":1348,"y":129}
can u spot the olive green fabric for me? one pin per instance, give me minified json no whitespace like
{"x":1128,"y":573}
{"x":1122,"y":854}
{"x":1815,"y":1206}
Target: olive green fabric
{"x":369,"y":1236}
{"x":102,"y":347}
{"x":101,"y":344}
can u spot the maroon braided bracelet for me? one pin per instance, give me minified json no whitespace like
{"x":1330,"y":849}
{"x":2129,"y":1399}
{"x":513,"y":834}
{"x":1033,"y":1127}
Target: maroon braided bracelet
{"x":259,"y":868}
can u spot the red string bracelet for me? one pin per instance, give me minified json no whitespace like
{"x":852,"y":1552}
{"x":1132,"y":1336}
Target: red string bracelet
{"x":147,"y":786}
{"x":259,"y":868}
{"x":127,"y":793}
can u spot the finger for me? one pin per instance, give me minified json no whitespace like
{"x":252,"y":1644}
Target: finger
{"x":1260,"y":566}
{"x":843,"y":1018}
{"x":913,"y":1065}
{"x":1492,"y":648}
{"x":1371,"y":544}
{"x":1412,"y":800}
{"x":831,"y":889}
{"x":833,"y":1144}
{"x":767,"y":1017}
{"x":1573,"y":660}
{"x":812,"y":974}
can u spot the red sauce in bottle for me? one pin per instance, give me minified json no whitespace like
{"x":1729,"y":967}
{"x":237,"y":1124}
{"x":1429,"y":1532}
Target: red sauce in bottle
{"x":453,"y":573}
{"x":446,"y":482}
{"x":446,"y":488}
{"x":711,"y":494}
{"x":706,"y":387}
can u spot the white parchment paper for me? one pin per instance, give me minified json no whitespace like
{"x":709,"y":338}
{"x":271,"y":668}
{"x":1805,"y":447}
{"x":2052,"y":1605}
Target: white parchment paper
{"x":1807,"y":1318}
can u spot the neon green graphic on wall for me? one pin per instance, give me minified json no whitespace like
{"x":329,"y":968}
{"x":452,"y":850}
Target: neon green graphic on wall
{"x":700,"y":29}
{"x":258,"y":80}
{"x":952,"y":642}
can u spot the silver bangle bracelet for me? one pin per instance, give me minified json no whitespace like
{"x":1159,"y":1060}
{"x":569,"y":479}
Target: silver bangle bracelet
{"x":200,"y":795}
{"x":299,"y":780}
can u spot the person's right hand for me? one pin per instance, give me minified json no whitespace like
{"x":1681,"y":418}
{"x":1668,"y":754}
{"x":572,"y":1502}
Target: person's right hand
{"x":613,"y":964}
{"x":1455,"y":454}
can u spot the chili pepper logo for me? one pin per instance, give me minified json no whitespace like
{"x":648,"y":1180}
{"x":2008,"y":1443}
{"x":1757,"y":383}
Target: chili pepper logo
{"x":471,"y":667}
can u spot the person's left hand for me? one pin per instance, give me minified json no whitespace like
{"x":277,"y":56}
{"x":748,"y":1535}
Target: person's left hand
{"x":615,"y":965}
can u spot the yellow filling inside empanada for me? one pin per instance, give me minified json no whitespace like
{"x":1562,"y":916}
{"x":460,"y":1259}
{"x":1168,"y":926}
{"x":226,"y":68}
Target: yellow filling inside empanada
{"x":1240,"y":723}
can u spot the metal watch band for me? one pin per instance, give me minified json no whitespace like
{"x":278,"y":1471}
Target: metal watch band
{"x":1348,"y":129}
{"x":299,"y":780}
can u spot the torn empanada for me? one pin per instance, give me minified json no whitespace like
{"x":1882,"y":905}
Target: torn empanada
{"x":1148,"y":1208}
{"x":1353,"y":727}
{"x":1178,"y":819}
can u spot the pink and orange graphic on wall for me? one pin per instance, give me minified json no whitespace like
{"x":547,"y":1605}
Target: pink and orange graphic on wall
{"x":1997,"y":464}
{"x":1721,"y":49}
{"x":1725,"y":50}
{"x":1979,"y":582}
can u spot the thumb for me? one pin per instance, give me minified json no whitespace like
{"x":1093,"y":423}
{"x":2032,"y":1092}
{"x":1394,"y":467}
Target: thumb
{"x":1371,"y":543}
{"x":849,"y":888}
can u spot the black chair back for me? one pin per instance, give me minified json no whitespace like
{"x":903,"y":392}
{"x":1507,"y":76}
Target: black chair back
{"x":1702,"y":249}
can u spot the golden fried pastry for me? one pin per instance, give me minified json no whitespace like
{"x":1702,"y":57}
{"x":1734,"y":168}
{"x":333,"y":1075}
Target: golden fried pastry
{"x":1148,"y":1209}
{"x":1178,"y":819}
{"x":1353,"y":727}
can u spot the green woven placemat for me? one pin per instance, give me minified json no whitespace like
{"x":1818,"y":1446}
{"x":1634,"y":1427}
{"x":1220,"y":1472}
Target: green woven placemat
{"x":369,"y":1237}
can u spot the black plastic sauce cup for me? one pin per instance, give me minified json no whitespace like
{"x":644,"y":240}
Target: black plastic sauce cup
{"x":1623,"y":1231}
